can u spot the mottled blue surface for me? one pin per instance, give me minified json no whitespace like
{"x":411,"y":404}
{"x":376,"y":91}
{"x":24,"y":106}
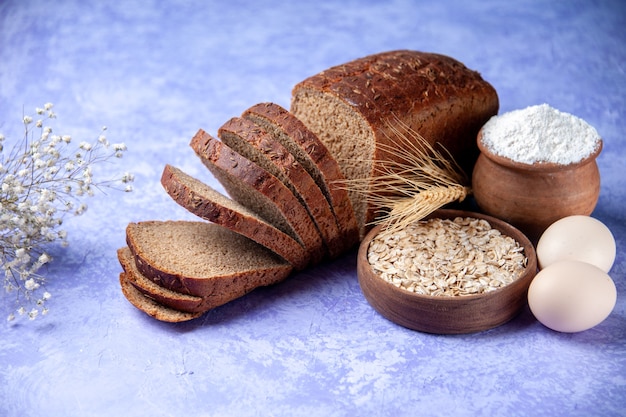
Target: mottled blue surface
{"x":156,"y":71}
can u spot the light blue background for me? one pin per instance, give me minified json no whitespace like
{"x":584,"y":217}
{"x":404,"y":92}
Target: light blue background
{"x":155,"y":72}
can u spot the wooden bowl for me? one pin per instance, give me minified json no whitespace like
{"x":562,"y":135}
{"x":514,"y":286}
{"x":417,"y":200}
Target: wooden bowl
{"x":533,"y":196}
{"x":448,"y":314}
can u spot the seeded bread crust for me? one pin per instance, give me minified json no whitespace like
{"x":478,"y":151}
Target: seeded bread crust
{"x":202,"y":259}
{"x":255,"y":143}
{"x":161,"y":295}
{"x":150,"y":306}
{"x":260,"y":191}
{"x":313,"y":155}
{"x":432,"y":94}
{"x":208,"y":204}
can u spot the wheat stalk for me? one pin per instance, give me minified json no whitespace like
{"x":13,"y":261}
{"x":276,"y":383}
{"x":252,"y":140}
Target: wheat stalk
{"x":415,"y":180}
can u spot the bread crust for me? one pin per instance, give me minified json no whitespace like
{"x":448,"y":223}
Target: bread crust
{"x":236,"y":173}
{"x":320,"y":164}
{"x":206,"y":206}
{"x":433,"y":94}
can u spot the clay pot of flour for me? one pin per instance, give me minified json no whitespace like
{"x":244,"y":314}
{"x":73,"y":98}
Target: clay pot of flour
{"x":536,"y":166}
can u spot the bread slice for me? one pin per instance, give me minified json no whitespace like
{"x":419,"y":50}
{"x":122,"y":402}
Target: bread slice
{"x":203,"y":259}
{"x":150,"y":306}
{"x":162,"y":295}
{"x":254,"y":143}
{"x":259,"y":191}
{"x":355,"y":107}
{"x":209,"y":204}
{"x":313,"y":155}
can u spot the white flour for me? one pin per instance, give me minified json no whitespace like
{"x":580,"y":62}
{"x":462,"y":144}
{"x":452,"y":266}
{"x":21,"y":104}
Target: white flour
{"x":540,"y":134}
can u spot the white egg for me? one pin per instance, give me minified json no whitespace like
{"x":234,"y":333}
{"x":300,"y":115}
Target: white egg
{"x":571,"y":296}
{"x":577,"y":238}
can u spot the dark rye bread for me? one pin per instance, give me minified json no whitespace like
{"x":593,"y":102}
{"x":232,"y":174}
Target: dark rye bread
{"x":259,"y":191}
{"x":209,"y":204}
{"x":313,"y":155}
{"x":203,"y":259}
{"x":150,"y":306}
{"x":353,"y":108}
{"x":162,"y":295}
{"x":256,"y":144}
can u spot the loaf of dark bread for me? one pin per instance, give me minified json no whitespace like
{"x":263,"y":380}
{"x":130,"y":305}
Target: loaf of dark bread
{"x":313,"y":155}
{"x":354,"y":109}
{"x":260,"y":191}
{"x":208,"y":204}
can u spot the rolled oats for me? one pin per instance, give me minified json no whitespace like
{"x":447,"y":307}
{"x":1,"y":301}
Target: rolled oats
{"x":446,"y":257}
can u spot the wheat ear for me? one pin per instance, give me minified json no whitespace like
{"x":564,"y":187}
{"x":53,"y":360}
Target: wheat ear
{"x":414,"y":181}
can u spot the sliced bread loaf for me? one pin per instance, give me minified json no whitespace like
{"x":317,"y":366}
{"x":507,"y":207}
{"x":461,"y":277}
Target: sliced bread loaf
{"x":209,"y":204}
{"x":203,"y":259}
{"x":162,"y":295}
{"x":313,"y":155}
{"x":254,"y":143}
{"x":150,"y":306}
{"x":354,"y":109}
{"x":259,"y":191}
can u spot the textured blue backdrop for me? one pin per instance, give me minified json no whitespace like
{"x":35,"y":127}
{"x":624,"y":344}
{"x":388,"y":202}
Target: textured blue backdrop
{"x":156,"y":71}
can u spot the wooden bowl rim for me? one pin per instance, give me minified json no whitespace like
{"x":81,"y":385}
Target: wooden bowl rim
{"x":537,"y":166}
{"x":529,"y":251}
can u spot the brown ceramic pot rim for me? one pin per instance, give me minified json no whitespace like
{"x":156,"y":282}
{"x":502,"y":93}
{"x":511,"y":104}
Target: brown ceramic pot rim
{"x":504,"y":227}
{"x":537,"y":166}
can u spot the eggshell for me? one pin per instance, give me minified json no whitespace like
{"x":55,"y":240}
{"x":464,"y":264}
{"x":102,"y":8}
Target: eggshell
{"x":577,"y":238}
{"x":571,"y":296}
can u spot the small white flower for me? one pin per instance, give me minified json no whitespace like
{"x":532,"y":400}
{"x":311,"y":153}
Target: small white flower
{"x":66,"y":138}
{"x":33,"y":314}
{"x":128,"y":177}
{"x":128,"y":188}
{"x":48,"y":106}
{"x":28,"y":120}
{"x":46,"y":296}
{"x":119,"y":146}
{"x":85,"y":146}
{"x":39,"y":123}
{"x":31,"y":285}
{"x":20,"y":253}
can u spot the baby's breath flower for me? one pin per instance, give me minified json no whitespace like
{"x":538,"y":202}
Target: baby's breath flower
{"x":41,"y":181}
{"x":85,"y":146}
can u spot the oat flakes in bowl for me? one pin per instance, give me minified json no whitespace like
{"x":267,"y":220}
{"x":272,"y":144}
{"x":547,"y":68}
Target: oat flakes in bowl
{"x":453,"y":272}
